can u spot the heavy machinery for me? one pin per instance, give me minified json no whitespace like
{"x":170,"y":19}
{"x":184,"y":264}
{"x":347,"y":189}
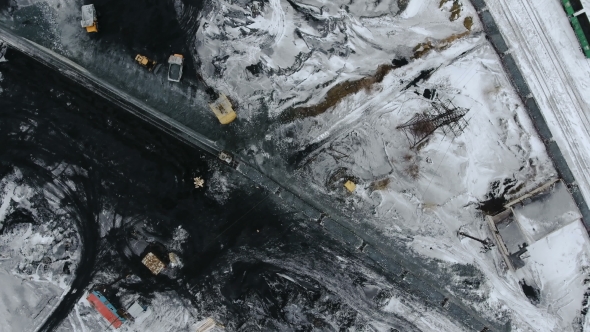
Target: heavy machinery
{"x":223,"y":109}
{"x":89,"y":19}
{"x":144,"y":61}
{"x":175,"y":62}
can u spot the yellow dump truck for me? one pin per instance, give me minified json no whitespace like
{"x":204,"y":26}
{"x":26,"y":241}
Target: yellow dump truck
{"x":223,"y":109}
{"x":89,"y":20}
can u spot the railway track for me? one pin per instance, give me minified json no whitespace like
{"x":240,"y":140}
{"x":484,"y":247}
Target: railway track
{"x":570,"y":99}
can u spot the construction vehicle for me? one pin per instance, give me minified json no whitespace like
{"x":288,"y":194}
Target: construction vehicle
{"x":223,"y":109}
{"x":89,"y":20}
{"x":175,"y":62}
{"x":146,"y":62}
{"x":226,"y":157}
{"x":350,"y":186}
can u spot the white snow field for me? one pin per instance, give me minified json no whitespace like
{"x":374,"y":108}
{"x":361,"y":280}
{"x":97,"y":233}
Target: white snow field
{"x":277,"y":54}
{"x":429,"y":193}
{"x":304,"y":48}
{"x":36,"y":250}
{"x":545,"y":47}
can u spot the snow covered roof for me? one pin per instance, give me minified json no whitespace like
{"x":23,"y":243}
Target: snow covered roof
{"x":135,"y":310}
{"x":88,"y":15}
{"x":547,"y":211}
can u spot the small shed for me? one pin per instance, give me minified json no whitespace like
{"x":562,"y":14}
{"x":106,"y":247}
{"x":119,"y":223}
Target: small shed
{"x":153,"y":263}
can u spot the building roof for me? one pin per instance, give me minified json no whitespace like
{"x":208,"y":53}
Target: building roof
{"x":153,"y":263}
{"x":105,"y":308}
{"x":135,"y":310}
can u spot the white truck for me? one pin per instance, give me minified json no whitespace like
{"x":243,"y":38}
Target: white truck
{"x":89,"y":19}
{"x":175,"y":62}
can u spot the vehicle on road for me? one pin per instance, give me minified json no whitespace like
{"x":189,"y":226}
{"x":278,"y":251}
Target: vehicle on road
{"x":175,"y":62}
{"x":223,"y":109}
{"x":146,"y":62}
{"x":89,"y":19}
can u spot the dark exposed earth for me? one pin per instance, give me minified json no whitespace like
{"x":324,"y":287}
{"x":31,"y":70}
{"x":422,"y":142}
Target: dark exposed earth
{"x":254,"y":264}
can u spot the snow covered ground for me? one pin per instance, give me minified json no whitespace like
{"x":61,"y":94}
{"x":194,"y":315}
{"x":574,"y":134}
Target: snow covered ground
{"x":276,"y":55}
{"x":280,"y":54}
{"x":427,"y":193}
{"x":545,"y":47}
{"x":38,"y":252}
{"x":558,"y":265}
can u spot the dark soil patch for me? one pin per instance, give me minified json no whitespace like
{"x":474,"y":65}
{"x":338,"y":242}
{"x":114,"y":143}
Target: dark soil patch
{"x":495,"y":199}
{"x":380,"y":184}
{"x":532,"y":293}
{"x":340,"y":91}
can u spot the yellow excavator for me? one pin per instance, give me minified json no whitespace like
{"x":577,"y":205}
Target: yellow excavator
{"x":146,"y":62}
{"x":223,"y":109}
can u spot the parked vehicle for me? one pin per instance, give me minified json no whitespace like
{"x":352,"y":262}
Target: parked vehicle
{"x":89,"y":19}
{"x":175,"y":63}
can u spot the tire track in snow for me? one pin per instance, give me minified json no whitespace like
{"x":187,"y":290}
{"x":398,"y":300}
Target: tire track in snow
{"x":556,"y":70}
{"x":277,"y":24}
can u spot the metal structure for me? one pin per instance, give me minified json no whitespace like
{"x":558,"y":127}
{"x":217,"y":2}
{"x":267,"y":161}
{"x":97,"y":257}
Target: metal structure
{"x":444,"y":115}
{"x":487,"y":244}
{"x":136,"y":310}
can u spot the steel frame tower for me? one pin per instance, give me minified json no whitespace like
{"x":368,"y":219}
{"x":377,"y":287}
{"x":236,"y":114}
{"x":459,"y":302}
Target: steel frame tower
{"x":444,"y":115}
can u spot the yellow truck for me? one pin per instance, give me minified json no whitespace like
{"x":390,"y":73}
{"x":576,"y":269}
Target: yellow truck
{"x":223,"y":109}
{"x":89,"y":19}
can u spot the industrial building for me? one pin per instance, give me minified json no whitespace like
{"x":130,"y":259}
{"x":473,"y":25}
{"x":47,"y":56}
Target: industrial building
{"x":105,"y":308}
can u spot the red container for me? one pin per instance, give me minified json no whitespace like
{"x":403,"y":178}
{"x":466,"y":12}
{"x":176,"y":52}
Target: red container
{"x":104,"y":311}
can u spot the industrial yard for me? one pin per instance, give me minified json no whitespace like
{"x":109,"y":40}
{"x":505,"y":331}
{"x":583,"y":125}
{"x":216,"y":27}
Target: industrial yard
{"x":299,"y":165}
